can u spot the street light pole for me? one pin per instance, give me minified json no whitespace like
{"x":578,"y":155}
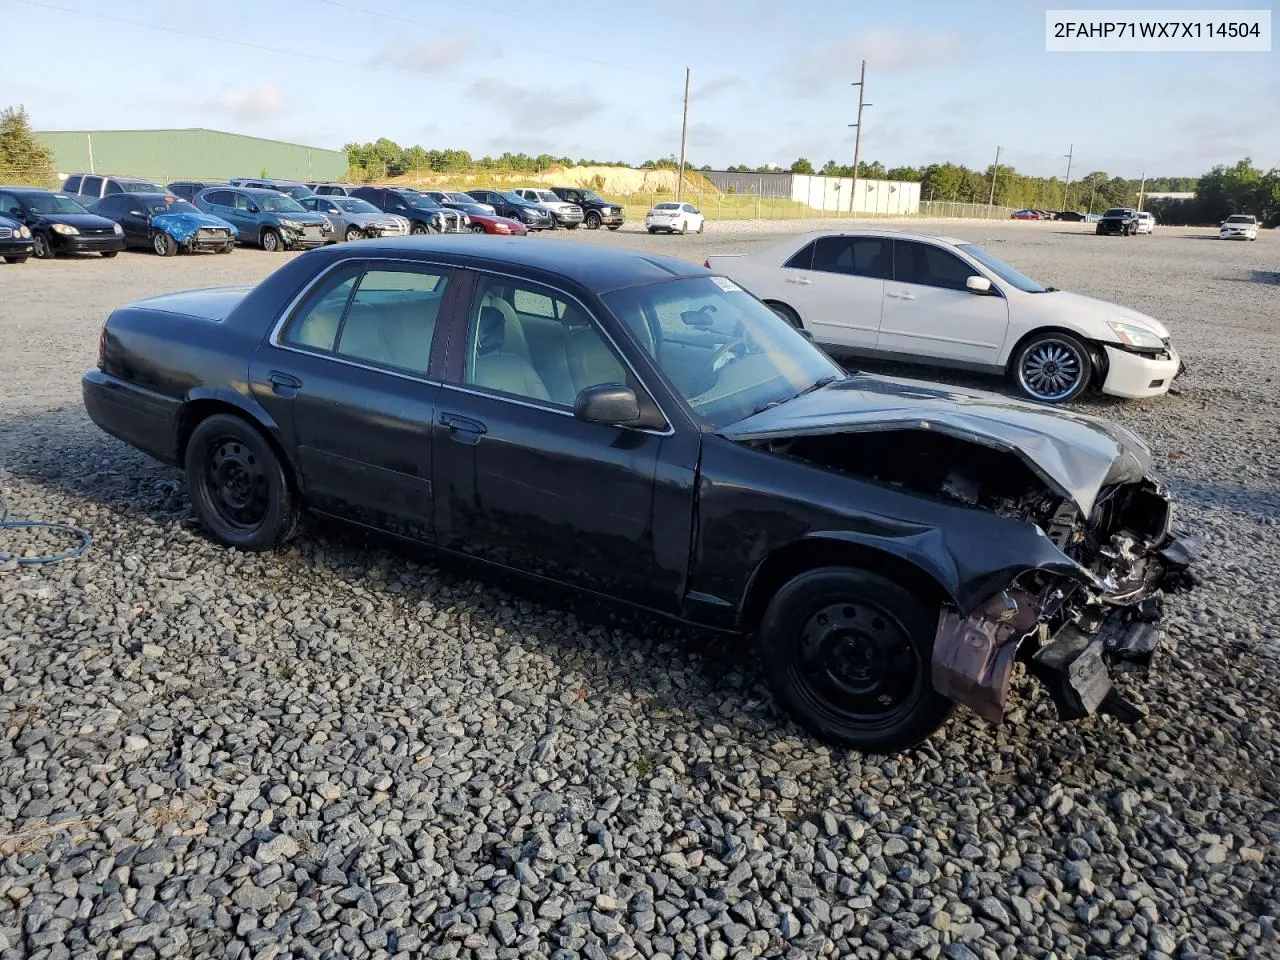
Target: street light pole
{"x":1067,"y":182}
{"x":684,"y":135}
{"x":857,"y":138}
{"x":995,"y":172}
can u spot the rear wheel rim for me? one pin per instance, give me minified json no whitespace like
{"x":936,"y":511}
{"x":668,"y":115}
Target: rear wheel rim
{"x":235,"y":484}
{"x":857,"y":661}
{"x":1051,"y":369}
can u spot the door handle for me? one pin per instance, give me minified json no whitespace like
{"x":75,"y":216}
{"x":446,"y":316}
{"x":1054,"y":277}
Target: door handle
{"x":800,"y":280}
{"x":900,"y":295}
{"x":283,"y":384}
{"x":463,"y":429}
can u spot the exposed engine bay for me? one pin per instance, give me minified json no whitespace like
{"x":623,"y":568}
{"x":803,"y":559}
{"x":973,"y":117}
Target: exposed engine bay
{"x":1074,"y":633}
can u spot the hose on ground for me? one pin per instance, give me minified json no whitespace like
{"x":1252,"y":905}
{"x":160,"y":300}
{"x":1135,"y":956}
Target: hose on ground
{"x":8,"y":523}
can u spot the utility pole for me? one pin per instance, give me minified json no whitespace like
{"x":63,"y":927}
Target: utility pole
{"x":995,"y":171}
{"x":857,"y":138}
{"x":684,"y":134}
{"x":1142,"y":188}
{"x":89,"y":137}
{"x":1066,"y":183}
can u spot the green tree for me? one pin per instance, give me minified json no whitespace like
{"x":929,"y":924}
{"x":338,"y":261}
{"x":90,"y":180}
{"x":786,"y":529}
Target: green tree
{"x":23,"y":158}
{"x":802,"y":165}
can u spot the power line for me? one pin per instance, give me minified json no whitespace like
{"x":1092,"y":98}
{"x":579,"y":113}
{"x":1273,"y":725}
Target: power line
{"x":248,"y":44}
{"x":370,"y":12}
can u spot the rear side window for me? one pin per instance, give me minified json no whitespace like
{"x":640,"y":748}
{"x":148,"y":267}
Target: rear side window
{"x":72,"y":185}
{"x":315,"y":323}
{"x":392,"y":317}
{"x":113,"y":187}
{"x":220,"y":198}
{"x":929,"y":266}
{"x":854,"y":256}
{"x":91,"y":186}
{"x":802,"y":259}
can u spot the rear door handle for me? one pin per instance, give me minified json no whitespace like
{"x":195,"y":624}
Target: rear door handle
{"x":800,"y":280}
{"x":900,"y":295}
{"x":283,"y":384}
{"x":463,"y":429}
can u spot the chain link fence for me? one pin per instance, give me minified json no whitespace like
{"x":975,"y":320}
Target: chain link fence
{"x":740,"y":206}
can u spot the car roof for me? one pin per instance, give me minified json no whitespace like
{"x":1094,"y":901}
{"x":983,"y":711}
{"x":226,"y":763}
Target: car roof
{"x":888,"y":233}
{"x":252,"y":191}
{"x":597,"y":268}
{"x":30,"y":190}
{"x":151,"y":195}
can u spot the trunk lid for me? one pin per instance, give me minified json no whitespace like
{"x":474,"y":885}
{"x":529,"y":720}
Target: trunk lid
{"x":213,"y":303}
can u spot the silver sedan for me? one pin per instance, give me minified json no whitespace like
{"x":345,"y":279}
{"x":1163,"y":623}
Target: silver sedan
{"x":355,"y":219}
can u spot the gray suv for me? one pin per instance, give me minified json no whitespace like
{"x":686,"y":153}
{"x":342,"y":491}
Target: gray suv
{"x":88,"y":187}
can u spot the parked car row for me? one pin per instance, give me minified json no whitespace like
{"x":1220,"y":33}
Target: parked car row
{"x":1073,"y":216}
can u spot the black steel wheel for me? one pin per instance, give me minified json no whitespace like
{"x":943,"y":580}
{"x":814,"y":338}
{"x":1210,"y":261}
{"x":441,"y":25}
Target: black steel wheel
{"x":848,"y":654}
{"x":238,"y":485}
{"x":1052,"y":367}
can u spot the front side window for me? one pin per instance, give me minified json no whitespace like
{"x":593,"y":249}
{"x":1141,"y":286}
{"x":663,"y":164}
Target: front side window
{"x":243,"y":202}
{"x":113,"y":187}
{"x":930,"y":266}
{"x":533,"y":342}
{"x":726,"y":354}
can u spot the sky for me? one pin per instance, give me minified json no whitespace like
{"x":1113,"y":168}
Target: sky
{"x":603,"y":79}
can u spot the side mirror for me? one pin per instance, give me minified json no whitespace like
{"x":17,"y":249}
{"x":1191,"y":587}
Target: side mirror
{"x":254,"y":208}
{"x":978,"y":285}
{"x":135,"y":213}
{"x":609,"y":403}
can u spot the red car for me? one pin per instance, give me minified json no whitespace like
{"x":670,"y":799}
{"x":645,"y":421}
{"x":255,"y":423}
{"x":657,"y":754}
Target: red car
{"x":1025,"y":215}
{"x":486,"y":223}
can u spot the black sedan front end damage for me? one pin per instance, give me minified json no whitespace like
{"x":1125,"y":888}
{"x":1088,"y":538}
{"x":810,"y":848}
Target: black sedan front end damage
{"x":1075,"y":633}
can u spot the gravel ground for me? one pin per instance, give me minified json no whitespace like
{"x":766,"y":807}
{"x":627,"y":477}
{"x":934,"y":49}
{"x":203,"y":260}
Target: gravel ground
{"x":345,"y":750}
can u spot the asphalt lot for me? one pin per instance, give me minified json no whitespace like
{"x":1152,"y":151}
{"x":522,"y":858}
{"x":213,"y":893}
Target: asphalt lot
{"x":347,"y":749}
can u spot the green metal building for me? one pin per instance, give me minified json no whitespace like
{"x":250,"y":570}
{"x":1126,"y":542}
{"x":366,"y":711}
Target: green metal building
{"x":190,"y":154}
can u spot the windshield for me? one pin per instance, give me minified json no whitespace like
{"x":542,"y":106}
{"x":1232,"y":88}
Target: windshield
{"x":1240,"y":218}
{"x":354,"y":205}
{"x":420,"y":201}
{"x":592,"y":195}
{"x":1116,"y":212}
{"x":53,"y":203}
{"x":724,"y":352}
{"x":172,"y":206}
{"x":139,"y":186}
{"x":280,"y":203}
{"x":546,"y":196}
{"x":513,"y":198}
{"x":1002,"y":269}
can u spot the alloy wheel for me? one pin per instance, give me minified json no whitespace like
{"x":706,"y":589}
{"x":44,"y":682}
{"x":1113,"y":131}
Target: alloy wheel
{"x":1051,"y":369}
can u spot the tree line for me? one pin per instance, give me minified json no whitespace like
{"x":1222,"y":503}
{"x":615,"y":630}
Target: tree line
{"x":385,"y":158}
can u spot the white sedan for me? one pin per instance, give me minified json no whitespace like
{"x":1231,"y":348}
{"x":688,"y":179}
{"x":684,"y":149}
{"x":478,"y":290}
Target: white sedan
{"x":1146,"y":223}
{"x":946,"y":302}
{"x":1239,"y":226}
{"x":674,"y":217}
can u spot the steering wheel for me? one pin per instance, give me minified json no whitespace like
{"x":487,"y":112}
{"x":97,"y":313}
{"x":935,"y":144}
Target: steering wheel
{"x":721,"y":357}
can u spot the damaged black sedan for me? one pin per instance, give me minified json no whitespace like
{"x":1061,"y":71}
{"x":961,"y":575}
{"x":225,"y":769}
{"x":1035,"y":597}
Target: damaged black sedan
{"x":640,"y":428}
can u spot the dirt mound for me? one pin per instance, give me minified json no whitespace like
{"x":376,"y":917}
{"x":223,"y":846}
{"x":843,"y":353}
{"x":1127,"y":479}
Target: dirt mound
{"x":608,"y":180}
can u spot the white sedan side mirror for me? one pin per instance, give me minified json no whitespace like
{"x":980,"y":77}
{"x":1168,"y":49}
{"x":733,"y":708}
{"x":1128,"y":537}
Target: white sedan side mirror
{"x":978,"y":285}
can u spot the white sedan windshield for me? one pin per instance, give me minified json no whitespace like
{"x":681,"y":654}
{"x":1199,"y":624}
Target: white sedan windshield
{"x":721,"y":349}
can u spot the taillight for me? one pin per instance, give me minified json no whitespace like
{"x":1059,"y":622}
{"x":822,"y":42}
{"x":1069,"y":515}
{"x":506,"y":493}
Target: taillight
{"x":102,"y":348}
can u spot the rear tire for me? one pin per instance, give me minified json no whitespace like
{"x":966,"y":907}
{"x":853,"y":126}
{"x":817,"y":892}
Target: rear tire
{"x":238,"y":486}
{"x":848,"y":654}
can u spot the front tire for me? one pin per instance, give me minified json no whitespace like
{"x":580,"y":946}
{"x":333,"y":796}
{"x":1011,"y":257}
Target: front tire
{"x":238,"y":486}
{"x":419,"y":229}
{"x":848,"y":654}
{"x":44,"y":247}
{"x":572,"y":226}
{"x":163,"y":244}
{"x":108,"y":254}
{"x":593,"y":221}
{"x":477,"y":228}
{"x":615,"y":226}
{"x":1052,"y":367}
{"x":21,"y":259}
{"x":353,"y":234}
{"x":271,"y":240}
{"x":226,"y":248}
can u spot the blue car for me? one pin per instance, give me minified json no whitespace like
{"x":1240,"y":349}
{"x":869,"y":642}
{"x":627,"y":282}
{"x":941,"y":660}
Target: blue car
{"x":166,"y":223}
{"x":266,"y":218}
{"x":15,"y":240}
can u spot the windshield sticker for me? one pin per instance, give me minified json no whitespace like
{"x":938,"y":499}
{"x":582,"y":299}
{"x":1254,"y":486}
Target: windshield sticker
{"x":725,"y":284}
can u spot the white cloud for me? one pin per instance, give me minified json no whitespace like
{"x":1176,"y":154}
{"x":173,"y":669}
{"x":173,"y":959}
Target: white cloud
{"x":884,"y":48}
{"x":429,"y":55}
{"x":537,"y":108}
{"x":263,"y":102}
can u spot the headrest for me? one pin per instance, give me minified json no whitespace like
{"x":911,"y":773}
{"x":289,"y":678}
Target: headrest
{"x":492,"y":331}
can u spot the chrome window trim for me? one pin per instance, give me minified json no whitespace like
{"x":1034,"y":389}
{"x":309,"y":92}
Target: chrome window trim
{"x":273,"y":338}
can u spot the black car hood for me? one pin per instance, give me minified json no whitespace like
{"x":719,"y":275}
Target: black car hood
{"x":1075,"y":454}
{"x":76,"y":219}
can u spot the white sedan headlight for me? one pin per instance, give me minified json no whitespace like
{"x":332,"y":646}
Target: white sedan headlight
{"x":1135,"y":336}
{"x":67,"y":230}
